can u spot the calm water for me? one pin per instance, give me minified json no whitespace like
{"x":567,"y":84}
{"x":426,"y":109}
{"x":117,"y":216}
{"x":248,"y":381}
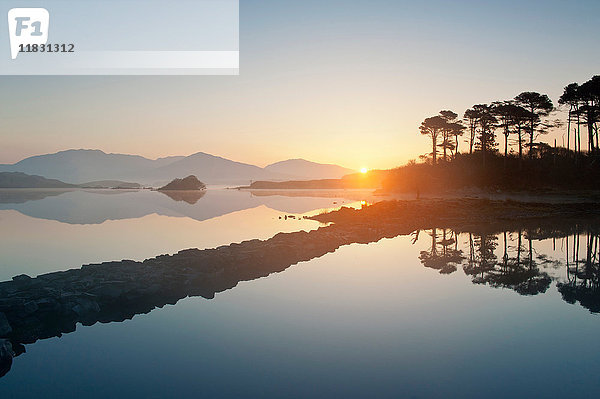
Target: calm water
{"x":434,"y":314}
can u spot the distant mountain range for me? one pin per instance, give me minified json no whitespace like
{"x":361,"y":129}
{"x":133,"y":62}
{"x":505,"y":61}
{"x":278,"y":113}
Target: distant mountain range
{"x":22,"y":180}
{"x":308,"y":170}
{"x":81,"y":166}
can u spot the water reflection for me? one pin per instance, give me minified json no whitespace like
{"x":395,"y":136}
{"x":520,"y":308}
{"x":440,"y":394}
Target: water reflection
{"x":191,"y":197}
{"x":510,"y":260}
{"x":21,"y":196}
{"x":513,"y":255}
{"x":515,"y":269}
{"x":442,"y":255}
{"x":583,"y":272}
{"x":518,"y":260}
{"x":99,"y":206}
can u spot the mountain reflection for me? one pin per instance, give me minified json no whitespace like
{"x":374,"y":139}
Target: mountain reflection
{"x":21,"y":196}
{"x":52,"y":304}
{"x":98,"y":206}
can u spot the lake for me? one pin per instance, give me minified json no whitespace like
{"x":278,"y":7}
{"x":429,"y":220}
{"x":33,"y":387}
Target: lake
{"x":437,"y":313}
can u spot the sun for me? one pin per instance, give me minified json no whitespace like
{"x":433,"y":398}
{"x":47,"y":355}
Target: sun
{"x":364,"y":170}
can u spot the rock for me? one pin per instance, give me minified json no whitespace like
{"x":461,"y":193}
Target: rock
{"x":6,"y":356}
{"x":30,"y":307}
{"x":46,"y":304}
{"x":5,"y":350}
{"x":85,"y":306}
{"x":112,"y":291}
{"x":21,"y":278}
{"x":5,"y":328}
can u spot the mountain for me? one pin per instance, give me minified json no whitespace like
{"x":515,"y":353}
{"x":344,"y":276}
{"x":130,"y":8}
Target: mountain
{"x":214,"y":170}
{"x":308,"y":170}
{"x":83,"y":166}
{"x":22,"y":180}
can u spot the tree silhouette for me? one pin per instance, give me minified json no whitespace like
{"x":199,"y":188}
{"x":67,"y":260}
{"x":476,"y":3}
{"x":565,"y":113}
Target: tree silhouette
{"x":519,"y":116}
{"x":511,"y":119}
{"x":445,"y":125}
{"x":503,"y":111}
{"x":590,"y":95}
{"x":572,"y":97}
{"x":486,"y":133}
{"x":471,"y":116}
{"x":452,"y":129}
{"x":456,"y":129}
{"x":433,"y":127}
{"x":521,"y":121}
{"x":448,"y":117}
{"x":539,"y":106}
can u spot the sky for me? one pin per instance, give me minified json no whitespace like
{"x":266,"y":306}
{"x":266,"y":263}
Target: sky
{"x":344,"y":82}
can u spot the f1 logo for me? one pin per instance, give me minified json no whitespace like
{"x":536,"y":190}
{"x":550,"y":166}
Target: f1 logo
{"x":27,"y":26}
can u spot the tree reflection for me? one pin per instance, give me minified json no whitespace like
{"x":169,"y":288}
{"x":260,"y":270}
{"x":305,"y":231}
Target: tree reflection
{"x":443,"y":255}
{"x":518,"y":272}
{"x":481,"y":258}
{"x":583,"y":274}
{"x":516,"y":269}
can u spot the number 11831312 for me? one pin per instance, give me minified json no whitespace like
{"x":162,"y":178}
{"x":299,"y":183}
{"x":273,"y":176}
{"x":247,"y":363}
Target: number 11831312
{"x":47,"y":48}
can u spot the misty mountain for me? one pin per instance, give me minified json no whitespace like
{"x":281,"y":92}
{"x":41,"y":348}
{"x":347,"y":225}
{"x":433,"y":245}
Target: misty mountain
{"x":213,"y":170}
{"x":308,"y":170}
{"x":82,"y":166}
{"x":22,"y":180}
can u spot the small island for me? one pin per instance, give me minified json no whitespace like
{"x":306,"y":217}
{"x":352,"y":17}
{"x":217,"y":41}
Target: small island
{"x":190,"y":183}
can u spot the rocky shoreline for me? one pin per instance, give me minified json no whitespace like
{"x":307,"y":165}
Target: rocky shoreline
{"x":52,"y":304}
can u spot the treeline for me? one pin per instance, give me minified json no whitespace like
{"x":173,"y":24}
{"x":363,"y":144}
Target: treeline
{"x":521,"y":121}
{"x":584,"y":110}
{"x":548,"y":170}
{"x":523,"y":161}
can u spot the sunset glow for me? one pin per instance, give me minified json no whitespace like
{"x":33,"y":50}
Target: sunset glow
{"x":367,"y":198}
